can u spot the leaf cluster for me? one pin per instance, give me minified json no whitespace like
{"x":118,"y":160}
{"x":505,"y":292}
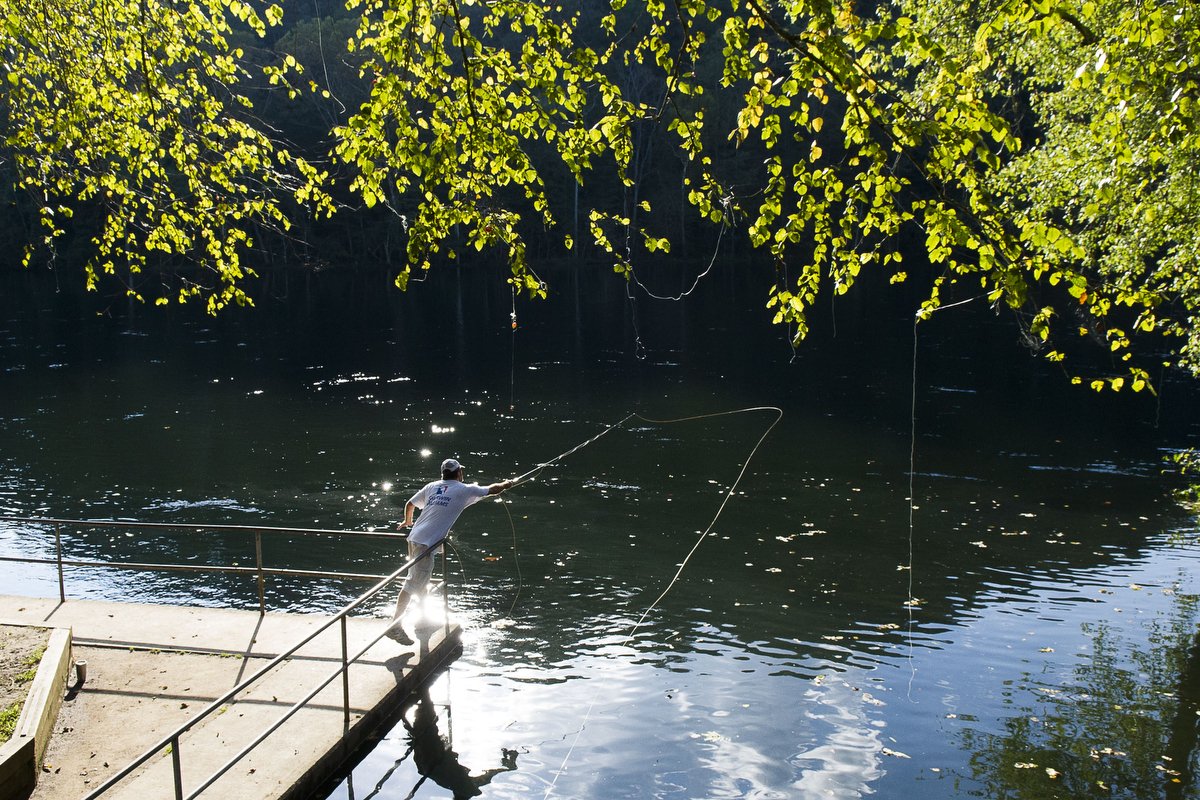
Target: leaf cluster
{"x":133,"y":110}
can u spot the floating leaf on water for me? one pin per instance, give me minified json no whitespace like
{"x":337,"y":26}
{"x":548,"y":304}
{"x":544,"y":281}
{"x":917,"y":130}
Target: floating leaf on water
{"x":1046,"y":650}
{"x":1052,"y":772}
{"x":1025,"y":765}
{"x":1107,"y":751}
{"x":887,"y":751}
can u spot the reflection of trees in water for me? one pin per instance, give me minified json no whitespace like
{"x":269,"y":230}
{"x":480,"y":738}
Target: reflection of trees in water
{"x":1124,"y":726}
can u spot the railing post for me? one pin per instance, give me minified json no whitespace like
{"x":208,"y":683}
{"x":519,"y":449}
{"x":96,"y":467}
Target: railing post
{"x":445,"y":593}
{"x":258,"y":561}
{"x":62,"y":591}
{"x":175,"y":768}
{"x":345,"y":679}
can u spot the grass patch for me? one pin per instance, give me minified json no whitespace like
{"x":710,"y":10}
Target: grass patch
{"x":12,"y":713}
{"x":32,"y":662}
{"x":8,"y":721}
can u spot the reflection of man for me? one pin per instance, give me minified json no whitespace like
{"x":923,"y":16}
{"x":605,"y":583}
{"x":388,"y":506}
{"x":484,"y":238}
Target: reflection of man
{"x":435,"y":760}
{"x":440,"y":502}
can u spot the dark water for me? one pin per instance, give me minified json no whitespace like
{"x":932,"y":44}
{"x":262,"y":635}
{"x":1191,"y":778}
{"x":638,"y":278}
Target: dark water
{"x":1042,"y":644}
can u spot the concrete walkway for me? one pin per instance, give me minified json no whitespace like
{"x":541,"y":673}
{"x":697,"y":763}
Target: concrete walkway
{"x":150,"y":668}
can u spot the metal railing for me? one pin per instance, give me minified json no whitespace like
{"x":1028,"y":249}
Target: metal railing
{"x":172,"y":741}
{"x":260,"y":571}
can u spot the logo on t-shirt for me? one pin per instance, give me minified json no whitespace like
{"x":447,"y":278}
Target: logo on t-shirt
{"x":440,"y":498}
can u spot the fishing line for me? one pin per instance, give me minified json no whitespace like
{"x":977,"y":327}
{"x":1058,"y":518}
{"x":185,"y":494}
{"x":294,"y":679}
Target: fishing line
{"x":724,"y":502}
{"x":531,"y":474}
{"x":516,"y":560}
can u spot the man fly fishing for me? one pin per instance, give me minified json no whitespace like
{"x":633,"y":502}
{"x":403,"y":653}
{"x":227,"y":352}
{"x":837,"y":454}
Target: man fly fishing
{"x":440,"y":503}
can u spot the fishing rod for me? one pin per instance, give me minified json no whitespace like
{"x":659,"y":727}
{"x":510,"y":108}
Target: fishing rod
{"x":526,"y":477}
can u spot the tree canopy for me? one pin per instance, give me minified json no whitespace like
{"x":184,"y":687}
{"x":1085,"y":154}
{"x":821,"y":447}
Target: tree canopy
{"x":1036,"y":155}
{"x":134,"y":108}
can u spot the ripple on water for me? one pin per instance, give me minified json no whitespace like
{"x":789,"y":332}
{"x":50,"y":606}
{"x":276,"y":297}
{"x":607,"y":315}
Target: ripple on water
{"x":228,"y":504}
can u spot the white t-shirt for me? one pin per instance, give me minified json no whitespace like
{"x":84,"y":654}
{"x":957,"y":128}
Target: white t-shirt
{"x":441,"y":502}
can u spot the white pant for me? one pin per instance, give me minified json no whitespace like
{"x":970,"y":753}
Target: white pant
{"x":419,"y":573}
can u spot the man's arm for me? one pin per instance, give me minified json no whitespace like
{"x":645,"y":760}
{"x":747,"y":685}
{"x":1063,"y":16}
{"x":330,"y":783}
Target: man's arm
{"x":497,"y":488}
{"x":409,"y":510}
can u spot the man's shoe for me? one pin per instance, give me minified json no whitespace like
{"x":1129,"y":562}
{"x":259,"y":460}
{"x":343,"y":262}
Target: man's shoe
{"x":396,"y":633}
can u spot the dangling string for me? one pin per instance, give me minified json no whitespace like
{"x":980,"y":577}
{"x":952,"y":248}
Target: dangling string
{"x":912,"y":469}
{"x":676,"y":298}
{"x":639,"y":349}
{"x":512,"y":363}
{"x":911,"y":603}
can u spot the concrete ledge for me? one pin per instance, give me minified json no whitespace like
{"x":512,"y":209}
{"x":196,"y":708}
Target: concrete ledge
{"x":22,"y":754}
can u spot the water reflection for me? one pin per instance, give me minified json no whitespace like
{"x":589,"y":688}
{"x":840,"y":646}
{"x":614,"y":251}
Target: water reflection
{"x":434,"y":756}
{"x":1121,"y":724}
{"x":848,"y":761}
{"x":787,"y":662}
